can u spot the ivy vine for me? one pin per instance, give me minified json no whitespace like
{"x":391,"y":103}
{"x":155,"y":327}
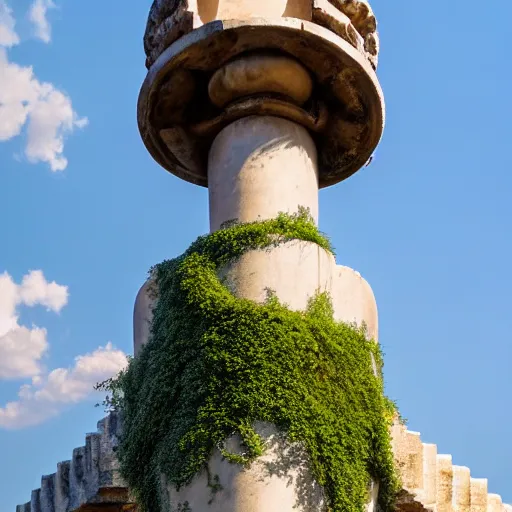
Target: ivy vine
{"x":215,"y":364}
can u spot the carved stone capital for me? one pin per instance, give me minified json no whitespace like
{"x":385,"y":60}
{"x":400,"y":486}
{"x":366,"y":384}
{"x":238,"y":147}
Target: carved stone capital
{"x":353,"y":20}
{"x":226,"y":70}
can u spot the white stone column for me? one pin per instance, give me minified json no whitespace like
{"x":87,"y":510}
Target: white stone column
{"x":257,"y":140}
{"x":278,"y":481}
{"x":259,"y":166}
{"x":143,"y":315}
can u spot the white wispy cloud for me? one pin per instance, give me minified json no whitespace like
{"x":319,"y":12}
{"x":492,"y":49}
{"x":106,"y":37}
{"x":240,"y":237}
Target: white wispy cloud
{"x":37,"y":15}
{"x":46,"y":115}
{"x":48,"y":396}
{"x":8,"y":36}
{"x":45,"y":112}
{"x":22,"y":348}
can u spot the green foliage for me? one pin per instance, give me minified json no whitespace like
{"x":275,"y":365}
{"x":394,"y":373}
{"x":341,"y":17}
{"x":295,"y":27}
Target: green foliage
{"x":215,"y":364}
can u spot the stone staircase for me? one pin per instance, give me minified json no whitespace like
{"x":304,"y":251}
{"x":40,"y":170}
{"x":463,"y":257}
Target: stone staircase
{"x":432,"y":483}
{"x":88,"y":482}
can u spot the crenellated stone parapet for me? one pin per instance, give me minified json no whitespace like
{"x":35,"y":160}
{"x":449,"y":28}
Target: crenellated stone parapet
{"x":90,"y":481}
{"x":432,"y":483}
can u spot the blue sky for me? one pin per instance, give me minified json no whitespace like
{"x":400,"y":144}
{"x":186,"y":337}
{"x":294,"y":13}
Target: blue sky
{"x":83,"y":217}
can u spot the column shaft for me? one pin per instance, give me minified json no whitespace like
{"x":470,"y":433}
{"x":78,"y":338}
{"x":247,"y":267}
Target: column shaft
{"x":259,"y":166}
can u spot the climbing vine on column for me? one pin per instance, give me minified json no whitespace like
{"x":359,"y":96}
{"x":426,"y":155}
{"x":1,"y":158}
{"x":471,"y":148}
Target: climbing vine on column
{"x":215,"y":364}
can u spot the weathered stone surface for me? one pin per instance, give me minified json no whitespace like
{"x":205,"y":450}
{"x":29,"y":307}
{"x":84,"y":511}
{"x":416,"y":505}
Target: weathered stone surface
{"x":361,"y":15}
{"x":143,"y":314}
{"x":327,"y":15}
{"x":171,"y":19}
{"x":62,"y":486}
{"x":408,"y":502}
{"x":260,"y":73}
{"x":408,"y":450}
{"x":295,"y":271}
{"x":445,"y":487}
{"x":461,"y":489}
{"x":494,"y":503}
{"x":252,"y":165}
{"x":89,"y":481}
{"x":444,"y":483}
{"x":35,"y":501}
{"x":353,"y":300}
{"x":178,"y":130}
{"x":429,"y":474}
{"x":478,"y":495}
{"x":279,"y":481}
{"x":168,"y":20}
{"x":47,"y":495}
{"x":354,"y":21}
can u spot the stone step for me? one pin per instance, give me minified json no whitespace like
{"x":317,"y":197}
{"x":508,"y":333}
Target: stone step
{"x":90,"y":477}
{"x":479,"y":495}
{"x":430,"y":474}
{"x":461,"y":489}
{"x":494,"y":503}
{"x":430,"y":480}
{"x":442,"y":486}
{"x":444,"y":483}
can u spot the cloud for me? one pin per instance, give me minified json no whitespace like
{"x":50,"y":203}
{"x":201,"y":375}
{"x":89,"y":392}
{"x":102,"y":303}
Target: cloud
{"x":50,"y":119}
{"x":22,"y":348}
{"x":45,"y":112}
{"x":8,"y":36}
{"x":35,"y":289}
{"x":47,"y":397}
{"x":37,"y":15}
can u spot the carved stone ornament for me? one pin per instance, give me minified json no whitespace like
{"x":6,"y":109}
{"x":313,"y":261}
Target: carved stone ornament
{"x":353,"y":20}
{"x":216,"y":73}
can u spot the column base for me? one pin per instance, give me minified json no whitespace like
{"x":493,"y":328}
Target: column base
{"x":279,"y":481}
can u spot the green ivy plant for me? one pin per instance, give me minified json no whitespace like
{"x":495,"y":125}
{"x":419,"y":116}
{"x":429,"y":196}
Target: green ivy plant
{"x":215,"y":364}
